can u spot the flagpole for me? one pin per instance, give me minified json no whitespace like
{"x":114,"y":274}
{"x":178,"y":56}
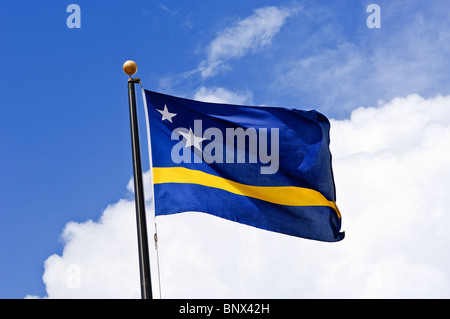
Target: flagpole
{"x":130,"y":68}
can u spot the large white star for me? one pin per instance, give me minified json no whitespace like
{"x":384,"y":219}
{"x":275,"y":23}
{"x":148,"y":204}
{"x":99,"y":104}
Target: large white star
{"x":166,"y":115}
{"x":192,"y":140}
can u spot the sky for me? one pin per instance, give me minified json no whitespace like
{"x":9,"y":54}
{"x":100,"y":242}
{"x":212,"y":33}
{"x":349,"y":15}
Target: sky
{"x":67,"y":220}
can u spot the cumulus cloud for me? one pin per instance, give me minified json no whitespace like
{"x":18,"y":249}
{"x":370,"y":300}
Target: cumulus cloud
{"x":392,"y":178}
{"x":247,"y":35}
{"x":99,"y":259}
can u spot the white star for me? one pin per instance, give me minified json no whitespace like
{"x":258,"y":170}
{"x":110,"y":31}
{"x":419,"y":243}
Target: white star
{"x":166,"y":115}
{"x":192,"y":140}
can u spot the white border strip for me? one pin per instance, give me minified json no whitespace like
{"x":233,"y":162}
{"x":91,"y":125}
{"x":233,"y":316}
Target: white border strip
{"x":154,"y":252}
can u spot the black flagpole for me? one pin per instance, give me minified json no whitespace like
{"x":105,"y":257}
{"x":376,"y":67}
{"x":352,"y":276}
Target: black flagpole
{"x":130,"y":68}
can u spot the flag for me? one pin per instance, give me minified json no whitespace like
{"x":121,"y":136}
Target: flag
{"x":266,"y":167}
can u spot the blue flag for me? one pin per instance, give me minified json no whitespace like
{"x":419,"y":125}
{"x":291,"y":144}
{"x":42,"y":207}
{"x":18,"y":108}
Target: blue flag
{"x":265,"y":167}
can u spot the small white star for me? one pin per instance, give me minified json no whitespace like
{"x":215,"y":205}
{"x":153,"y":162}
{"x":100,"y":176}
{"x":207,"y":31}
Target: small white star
{"x":166,"y":115}
{"x":192,"y":140}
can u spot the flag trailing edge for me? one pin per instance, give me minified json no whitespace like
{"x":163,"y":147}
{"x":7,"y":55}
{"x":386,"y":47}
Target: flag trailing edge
{"x":265,"y":167}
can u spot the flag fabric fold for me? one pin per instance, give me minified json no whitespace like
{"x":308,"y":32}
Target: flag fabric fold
{"x":265,"y":167}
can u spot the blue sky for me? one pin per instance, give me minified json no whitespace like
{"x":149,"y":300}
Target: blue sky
{"x":64,"y":124}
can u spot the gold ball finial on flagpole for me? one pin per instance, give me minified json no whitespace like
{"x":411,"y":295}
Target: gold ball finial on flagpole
{"x":130,"y":67}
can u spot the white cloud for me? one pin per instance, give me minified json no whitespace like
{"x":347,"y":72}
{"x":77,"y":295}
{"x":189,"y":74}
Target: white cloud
{"x":247,"y":35}
{"x":146,"y":178}
{"x":221,"y":95}
{"x":99,"y":259}
{"x":392,"y":178}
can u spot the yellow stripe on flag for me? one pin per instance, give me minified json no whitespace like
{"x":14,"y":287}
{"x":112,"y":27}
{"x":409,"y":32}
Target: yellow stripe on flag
{"x":282,"y":195}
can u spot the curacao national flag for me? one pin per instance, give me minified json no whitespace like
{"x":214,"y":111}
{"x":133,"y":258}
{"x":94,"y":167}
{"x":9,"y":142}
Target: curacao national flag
{"x":265,"y":167}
